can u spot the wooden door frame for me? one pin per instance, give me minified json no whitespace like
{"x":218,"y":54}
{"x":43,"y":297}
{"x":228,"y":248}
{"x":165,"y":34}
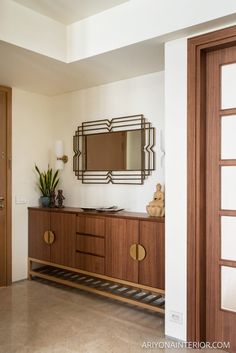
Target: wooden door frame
{"x":8,"y":91}
{"x":196,"y":145}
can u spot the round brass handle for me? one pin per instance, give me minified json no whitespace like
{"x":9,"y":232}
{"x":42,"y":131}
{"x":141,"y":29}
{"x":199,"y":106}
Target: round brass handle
{"x":137,"y":252}
{"x":49,"y":237}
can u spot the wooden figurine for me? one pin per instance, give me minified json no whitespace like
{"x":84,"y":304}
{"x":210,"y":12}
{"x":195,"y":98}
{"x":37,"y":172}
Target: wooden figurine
{"x":157,"y":206}
{"x":60,"y":199}
{"x":52,"y":199}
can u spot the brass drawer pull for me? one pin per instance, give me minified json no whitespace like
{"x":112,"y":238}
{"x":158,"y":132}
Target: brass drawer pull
{"x":49,"y":237}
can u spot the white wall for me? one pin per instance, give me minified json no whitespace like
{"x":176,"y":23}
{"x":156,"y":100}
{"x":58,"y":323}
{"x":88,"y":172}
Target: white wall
{"x":140,"y":95}
{"x":31,"y":142}
{"x":176,"y":184}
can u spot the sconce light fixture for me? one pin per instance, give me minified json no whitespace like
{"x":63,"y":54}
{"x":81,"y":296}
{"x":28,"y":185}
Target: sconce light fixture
{"x":61,"y":158}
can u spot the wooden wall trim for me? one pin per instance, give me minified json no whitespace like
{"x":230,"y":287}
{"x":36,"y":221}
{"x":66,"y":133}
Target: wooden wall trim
{"x":8,"y":91}
{"x":196,"y":146}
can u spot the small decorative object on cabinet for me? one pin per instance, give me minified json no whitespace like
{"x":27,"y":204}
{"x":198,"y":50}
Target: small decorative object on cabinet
{"x":116,"y":255}
{"x":157,"y":206}
{"x":52,"y":199}
{"x":47,"y":184}
{"x":60,"y":199}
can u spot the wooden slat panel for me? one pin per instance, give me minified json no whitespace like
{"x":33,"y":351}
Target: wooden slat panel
{"x":92,"y":245}
{"x":228,"y":112}
{"x":99,"y":276}
{"x":227,"y":263}
{"x":227,"y":162}
{"x":99,"y":291}
{"x":230,"y":213}
{"x":91,"y":225}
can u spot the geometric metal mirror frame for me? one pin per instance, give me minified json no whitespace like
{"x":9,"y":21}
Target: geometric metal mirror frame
{"x":124,"y":124}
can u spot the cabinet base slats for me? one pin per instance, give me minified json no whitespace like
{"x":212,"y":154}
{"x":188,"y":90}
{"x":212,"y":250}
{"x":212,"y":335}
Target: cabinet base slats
{"x":152,"y":299}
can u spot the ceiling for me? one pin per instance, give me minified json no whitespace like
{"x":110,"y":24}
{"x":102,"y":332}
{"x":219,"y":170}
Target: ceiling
{"x":33,"y":72}
{"x":69,"y":11}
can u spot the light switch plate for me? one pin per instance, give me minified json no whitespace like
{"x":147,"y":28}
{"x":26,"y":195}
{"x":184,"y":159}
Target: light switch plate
{"x":20,"y":200}
{"x":176,"y":317}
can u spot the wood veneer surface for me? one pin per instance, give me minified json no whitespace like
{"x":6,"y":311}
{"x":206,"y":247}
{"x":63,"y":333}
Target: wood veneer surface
{"x":121,"y":214}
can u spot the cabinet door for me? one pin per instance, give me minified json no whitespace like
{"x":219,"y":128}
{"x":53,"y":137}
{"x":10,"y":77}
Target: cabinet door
{"x":39,"y":223}
{"x":120,"y":235}
{"x":152,"y":268}
{"x":63,"y":225}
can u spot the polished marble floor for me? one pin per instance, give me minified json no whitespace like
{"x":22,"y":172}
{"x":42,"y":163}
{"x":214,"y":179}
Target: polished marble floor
{"x":41,"y":318}
{"x":38,"y":317}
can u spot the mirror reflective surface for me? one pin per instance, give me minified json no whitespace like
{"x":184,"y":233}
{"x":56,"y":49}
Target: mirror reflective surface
{"x":121,"y":150}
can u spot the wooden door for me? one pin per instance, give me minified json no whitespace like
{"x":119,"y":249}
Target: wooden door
{"x":39,"y":223}
{"x":152,"y":267}
{"x":121,"y":234}
{"x":221,"y":197}
{"x":5,"y":186}
{"x":63,"y":225}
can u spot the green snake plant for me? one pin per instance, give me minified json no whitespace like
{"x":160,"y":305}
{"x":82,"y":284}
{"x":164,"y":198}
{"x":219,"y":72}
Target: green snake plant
{"x":47,"y":181}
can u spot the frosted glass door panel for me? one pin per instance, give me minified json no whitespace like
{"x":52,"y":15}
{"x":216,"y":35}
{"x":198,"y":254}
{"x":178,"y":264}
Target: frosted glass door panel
{"x":228,"y":238}
{"x":228,"y":137}
{"x":228,"y":86}
{"x":228,"y":188}
{"x":228,"y":288}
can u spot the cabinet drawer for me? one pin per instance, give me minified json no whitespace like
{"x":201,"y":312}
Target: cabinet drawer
{"x":91,"y":225}
{"x":88,"y":244}
{"x":90,"y":263}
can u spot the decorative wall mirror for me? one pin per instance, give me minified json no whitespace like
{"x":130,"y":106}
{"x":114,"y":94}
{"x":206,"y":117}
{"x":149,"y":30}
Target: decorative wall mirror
{"x":118,"y":151}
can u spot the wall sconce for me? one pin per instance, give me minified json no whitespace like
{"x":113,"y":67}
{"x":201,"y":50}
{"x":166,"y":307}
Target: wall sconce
{"x":61,"y":158}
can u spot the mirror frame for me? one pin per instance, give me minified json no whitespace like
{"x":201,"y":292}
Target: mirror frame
{"x":127,"y":123}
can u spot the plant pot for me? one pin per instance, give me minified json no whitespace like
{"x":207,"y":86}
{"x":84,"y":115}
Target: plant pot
{"x":45,"y":201}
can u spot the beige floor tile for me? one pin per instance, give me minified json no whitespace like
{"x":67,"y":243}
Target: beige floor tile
{"x":39,"y":318}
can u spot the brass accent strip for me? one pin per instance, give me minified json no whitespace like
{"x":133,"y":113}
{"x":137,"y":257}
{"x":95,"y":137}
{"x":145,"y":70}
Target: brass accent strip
{"x":95,"y":275}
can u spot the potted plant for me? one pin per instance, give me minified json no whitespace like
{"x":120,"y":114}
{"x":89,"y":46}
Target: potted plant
{"x":47,"y":184}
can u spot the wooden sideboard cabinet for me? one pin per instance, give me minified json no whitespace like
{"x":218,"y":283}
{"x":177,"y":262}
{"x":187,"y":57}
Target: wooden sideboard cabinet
{"x":63,"y":226}
{"x":121,"y":235}
{"x":124,"y":249}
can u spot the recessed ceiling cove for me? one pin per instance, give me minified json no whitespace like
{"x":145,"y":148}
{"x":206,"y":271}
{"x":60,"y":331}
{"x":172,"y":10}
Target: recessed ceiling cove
{"x":69,"y":11}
